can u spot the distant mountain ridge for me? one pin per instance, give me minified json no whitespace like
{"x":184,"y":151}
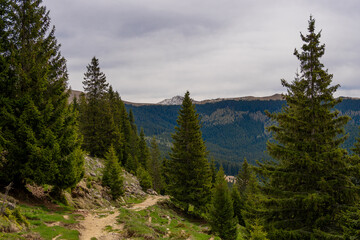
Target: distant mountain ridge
{"x":233,"y":128}
{"x":177,"y":100}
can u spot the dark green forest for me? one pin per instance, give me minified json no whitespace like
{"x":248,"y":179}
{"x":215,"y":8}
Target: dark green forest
{"x":232,"y":130}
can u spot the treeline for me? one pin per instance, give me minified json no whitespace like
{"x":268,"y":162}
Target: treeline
{"x":110,"y":132}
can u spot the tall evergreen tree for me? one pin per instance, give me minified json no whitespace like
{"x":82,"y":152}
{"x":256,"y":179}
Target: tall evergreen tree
{"x":38,"y":127}
{"x":249,"y":204}
{"x":126,"y":133}
{"x":190,"y":172}
{"x":97,"y":123}
{"x":144,"y":178}
{"x":144,"y":154}
{"x":95,"y":85}
{"x":222,"y":218}
{"x":165,"y":175}
{"x":115,"y":106}
{"x":309,"y":186}
{"x":112,"y":176}
{"x":155,"y":166}
{"x":213,"y":172}
{"x":243,"y":177}
{"x":238,"y":205}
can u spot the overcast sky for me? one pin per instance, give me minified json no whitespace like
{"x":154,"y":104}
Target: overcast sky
{"x":150,"y":50}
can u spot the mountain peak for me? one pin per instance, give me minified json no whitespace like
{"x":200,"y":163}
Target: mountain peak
{"x":177,"y":100}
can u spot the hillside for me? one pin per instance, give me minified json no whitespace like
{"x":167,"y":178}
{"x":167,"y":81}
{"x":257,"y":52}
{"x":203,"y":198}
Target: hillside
{"x":91,"y":214}
{"x":232,"y":128}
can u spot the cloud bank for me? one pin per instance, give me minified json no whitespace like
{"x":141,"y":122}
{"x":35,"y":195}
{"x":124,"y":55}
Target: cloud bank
{"x":155,"y":49}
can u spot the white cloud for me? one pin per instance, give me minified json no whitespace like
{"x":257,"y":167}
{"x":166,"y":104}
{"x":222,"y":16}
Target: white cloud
{"x":155,"y":49}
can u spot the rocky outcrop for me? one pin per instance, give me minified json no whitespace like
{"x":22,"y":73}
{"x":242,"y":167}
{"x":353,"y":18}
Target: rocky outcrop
{"x":132,"y":186}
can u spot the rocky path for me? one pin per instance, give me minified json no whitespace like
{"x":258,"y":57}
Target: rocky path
{"x":150,"y":201}
{"x":95,"y":223}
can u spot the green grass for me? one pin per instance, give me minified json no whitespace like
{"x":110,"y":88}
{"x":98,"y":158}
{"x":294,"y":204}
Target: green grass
{"x":131,"y":200}
{"x":51,"y":232}
{"x":137,"y":225}
{"x":11,"y":236}
{"x":39,"y":217}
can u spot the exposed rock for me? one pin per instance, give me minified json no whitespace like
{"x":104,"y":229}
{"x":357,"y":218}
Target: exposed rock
{"x":132,"y":186}
{"x":151,"y":192}
{"x":89,"y":192}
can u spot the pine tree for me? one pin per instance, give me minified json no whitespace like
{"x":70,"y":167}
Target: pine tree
{"x":245,"y":185}
{"x":97,"y":123}
{"x":222,"y":218}
{"x":243,"y":177}
{"x":95,"y":85}
{"x":144,"y":154}
{"x":155,"y":166}
{"x":213,"y":172}
{"x":165,"y":175}
{"x":132,"y":164}
{"x":126,"y":133}
{"x":112,"y":176}
{"x":308,"y":187}
{"x":237,"y":204}
{"x":118,"y":134}
{"x":257,"y":232}
{"x":144,"y":178}
{"x":190,"y":173}
{"x":38,"y":127}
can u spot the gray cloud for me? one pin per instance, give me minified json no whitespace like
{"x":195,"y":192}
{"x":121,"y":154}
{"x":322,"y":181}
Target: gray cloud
{"x":155,"y":49}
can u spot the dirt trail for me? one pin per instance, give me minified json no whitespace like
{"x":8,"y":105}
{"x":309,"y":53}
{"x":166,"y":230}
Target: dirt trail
{"x":150,"y":201}
{"x":94,"y":223}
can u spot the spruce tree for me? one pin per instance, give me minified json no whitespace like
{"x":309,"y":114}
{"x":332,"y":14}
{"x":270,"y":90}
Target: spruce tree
{"x":38,"y":127}
{"x":308,"y":186}
{"x":143,"y":154}
{"x":126,"y":133}
{"x":213,"y":172}
{"x":166,"y":175}
{"x":190,"y":172}
{"x":155,"y":166}
{"x":245,"y":185}
{"x":237,"y":204}
{"x":97,"y":123}
{"x":95,"y":85}
{"x":222,"y":218}
{"x":144,"y":178}
{"x":132,"y":164}
{"x":113,"y":176}
{"x":243,"y":177}
{"x":118,"y":134}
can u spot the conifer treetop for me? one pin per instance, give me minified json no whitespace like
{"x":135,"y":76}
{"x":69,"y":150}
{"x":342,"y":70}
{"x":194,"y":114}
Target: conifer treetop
{"x":95,"y":85}
{"x":309,"y":182}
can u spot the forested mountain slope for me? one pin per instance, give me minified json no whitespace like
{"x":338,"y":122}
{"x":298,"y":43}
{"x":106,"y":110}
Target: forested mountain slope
{"x":232,"y":129}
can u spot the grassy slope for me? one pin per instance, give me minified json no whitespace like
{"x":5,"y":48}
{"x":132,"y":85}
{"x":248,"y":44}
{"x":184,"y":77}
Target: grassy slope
{"x":166,"y":223}
{"x":50,"y":220}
